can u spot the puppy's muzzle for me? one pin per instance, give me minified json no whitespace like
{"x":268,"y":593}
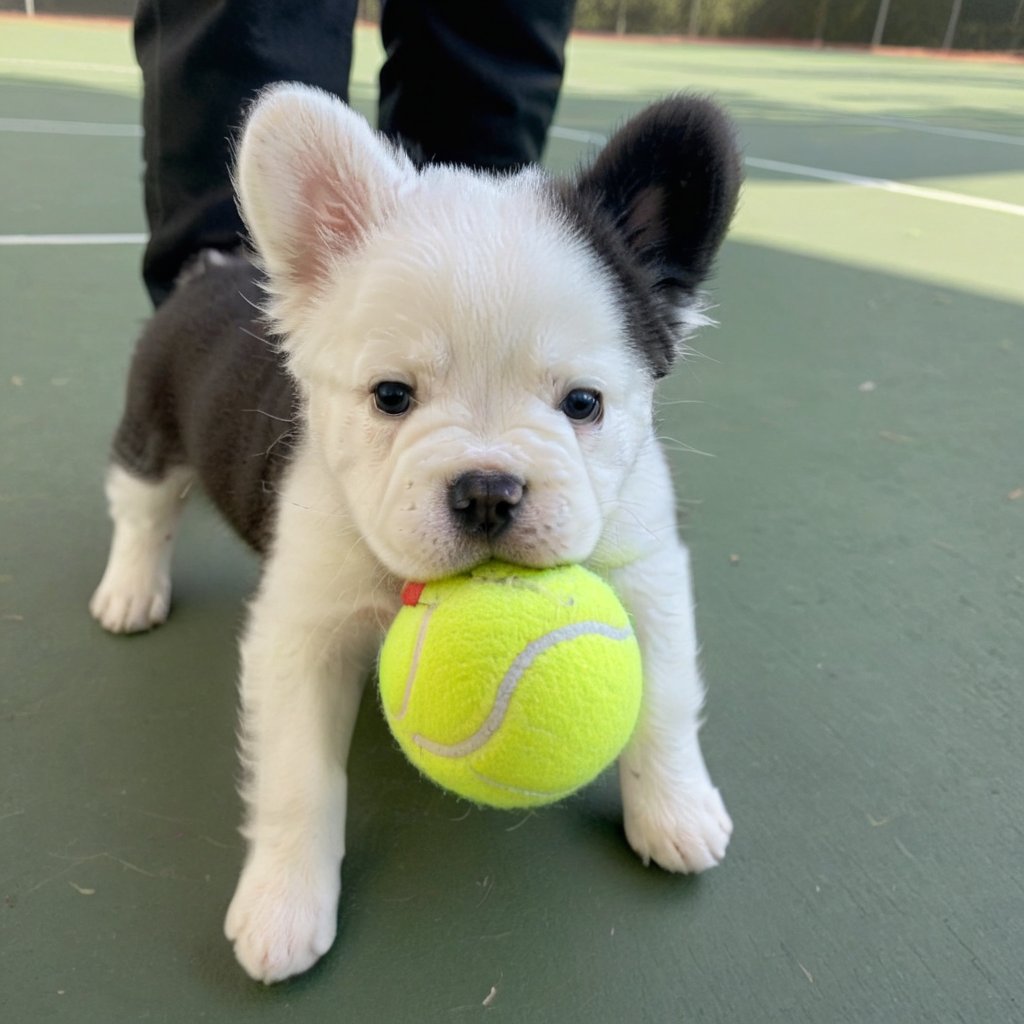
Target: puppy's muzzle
{"x":484,"y":504}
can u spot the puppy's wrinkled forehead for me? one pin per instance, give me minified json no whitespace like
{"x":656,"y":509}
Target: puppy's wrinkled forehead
{"x":486,"y":265}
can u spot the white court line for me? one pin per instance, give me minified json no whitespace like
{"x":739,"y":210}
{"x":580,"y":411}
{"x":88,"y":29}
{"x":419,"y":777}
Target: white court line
{"x":973,"y":134}
{"x":37,"y":126}
{"x":885,"y":185}
{"x":121,"y":239}
{"x":576,"y":135}
{"x":44,"y":127}
{"x":68,"y":65}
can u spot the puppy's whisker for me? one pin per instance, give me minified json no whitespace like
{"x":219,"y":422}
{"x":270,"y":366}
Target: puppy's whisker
{"x":255,"y":305}
{"x":273,"y":444}
{"x":270,"y":416}
{"x":257,"y":337}
{"x":674,"y":444}
{"x":309,"y":508}
{"x":689,"y":354}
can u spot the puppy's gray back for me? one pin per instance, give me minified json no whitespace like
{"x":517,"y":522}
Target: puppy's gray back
{"x":208,"y":389}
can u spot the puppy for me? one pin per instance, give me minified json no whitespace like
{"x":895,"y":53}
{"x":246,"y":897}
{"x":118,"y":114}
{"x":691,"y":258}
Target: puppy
{"x":431,"y":368}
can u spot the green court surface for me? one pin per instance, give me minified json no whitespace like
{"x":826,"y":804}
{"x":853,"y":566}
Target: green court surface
{"x":857,"y":534}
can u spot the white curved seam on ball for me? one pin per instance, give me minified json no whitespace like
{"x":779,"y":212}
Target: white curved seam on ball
{"x":417,"y":651}
{"x":547,"y":794}
{"x":515,"y":673}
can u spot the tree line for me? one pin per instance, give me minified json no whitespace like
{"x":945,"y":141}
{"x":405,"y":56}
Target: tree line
{"x":959,"y":24}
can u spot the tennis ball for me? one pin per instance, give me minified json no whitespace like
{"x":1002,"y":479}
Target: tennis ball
{"x":511,"y":687}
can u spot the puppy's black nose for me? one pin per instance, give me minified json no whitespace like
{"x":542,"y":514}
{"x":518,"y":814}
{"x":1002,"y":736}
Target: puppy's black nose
{"x":485,"y":503}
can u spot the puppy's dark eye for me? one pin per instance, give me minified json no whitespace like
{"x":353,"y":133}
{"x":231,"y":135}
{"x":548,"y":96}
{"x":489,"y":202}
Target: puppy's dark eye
{"x":392,"y":398}
{"x":582,"y":405}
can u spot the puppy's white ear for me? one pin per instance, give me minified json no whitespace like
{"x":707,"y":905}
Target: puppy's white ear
{"x":312,"y":180}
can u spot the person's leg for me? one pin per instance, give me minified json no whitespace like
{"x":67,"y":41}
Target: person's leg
{"x":202,"y":63}
{"x":472,"y":83}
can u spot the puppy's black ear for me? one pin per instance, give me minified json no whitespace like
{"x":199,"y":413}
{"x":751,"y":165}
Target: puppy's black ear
{"x":665,"y":187}
{"x":669,"y":178}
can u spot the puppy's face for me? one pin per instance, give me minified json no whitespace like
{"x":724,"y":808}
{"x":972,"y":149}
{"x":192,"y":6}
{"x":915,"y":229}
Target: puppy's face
{"x":477,"y":354}
{"x":469,"y":381}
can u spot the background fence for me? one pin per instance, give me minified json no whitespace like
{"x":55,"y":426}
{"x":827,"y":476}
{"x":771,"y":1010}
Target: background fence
{"x":959,"y":24}
{"x":948,"y":24}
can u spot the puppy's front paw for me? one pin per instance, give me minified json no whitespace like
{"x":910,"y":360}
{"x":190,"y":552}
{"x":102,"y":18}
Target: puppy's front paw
{"x":283,"y":916}
{"x":682,"y":825}
{"x":130,"y":602}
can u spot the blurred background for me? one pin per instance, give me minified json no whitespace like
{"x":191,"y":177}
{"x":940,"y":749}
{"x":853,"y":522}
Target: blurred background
{"x":848,"y":445}
{"x":946,"y":24}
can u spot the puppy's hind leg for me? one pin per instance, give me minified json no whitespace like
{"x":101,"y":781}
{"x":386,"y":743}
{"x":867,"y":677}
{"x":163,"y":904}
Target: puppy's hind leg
{"x":135,"y":591}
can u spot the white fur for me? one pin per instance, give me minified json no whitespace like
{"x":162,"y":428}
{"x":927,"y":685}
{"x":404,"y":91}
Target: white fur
{"x":309,"y":647}
{"x":472,"y":291}
{"x":673,"y":813}
{"x":135,"y":591}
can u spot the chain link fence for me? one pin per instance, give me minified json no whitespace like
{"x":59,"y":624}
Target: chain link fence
{"x":942,"y":24}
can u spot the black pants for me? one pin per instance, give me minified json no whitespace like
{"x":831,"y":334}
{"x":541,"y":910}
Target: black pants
{"x":473,"y":82}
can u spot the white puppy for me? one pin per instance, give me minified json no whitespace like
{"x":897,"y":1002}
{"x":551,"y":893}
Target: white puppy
{"x":462,"y":367}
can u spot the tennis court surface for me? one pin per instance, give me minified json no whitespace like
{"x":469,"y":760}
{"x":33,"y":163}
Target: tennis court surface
{"x":849,"y":449}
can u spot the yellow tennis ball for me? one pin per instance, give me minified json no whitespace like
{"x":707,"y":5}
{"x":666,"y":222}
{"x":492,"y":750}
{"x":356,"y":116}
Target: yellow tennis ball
{"x":509,"y":686}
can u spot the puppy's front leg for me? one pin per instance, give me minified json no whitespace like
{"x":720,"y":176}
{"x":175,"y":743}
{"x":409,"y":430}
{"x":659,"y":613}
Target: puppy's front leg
{"x":307,"y":651}
{"x":673,"y":813}
{"x":301,"y":689}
